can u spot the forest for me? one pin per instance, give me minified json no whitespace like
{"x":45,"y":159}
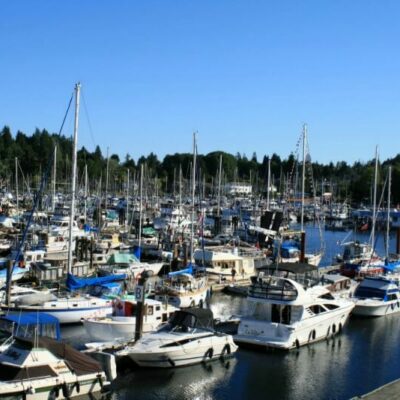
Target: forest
{"x":34,"y":154}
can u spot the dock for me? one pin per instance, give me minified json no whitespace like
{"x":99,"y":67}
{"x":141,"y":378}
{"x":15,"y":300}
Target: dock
{"x":390,"y":391}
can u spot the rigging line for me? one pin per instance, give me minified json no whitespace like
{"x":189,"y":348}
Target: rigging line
{"x":88,"y":119}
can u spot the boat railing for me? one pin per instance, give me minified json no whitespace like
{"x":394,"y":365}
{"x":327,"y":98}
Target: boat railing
{"x":273,"y":291}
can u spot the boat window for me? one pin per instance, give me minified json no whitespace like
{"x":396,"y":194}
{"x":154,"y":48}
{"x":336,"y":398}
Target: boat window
{"x":327,"y":296}
{"x":331,"y":306}
{"x":369,"y":292}
{"x":164,"y":317}
{"x":392,"y":296}
{"x":158,"y":308}
{"x":317,"y":309}
{"x":149,"y":310}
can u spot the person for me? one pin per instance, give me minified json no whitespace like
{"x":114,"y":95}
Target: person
{"x":233,"y":272}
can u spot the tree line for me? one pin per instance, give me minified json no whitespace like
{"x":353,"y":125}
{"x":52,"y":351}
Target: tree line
{"x":34,"y":152}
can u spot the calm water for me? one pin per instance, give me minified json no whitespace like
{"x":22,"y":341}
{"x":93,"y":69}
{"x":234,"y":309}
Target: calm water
{"x":366,"y":355}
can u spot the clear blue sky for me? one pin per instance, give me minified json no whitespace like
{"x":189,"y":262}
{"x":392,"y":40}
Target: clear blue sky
{"x":244,"y":74}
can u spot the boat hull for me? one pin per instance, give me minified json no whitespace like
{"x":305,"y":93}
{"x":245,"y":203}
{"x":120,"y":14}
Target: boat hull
{"x":201,"y":351}
{"x":266,"y":335}
{"x":376,"y":309}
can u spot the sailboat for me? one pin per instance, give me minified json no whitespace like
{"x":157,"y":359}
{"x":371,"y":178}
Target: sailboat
{"x":289,"y":250}
{"x":361,"y":258}
{"x":66,"y":309}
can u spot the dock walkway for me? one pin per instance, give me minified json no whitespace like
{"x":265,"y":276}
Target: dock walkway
{"x":390,"y":391}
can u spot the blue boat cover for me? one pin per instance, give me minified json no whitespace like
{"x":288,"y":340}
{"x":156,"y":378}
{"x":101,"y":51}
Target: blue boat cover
{"x":188,"y":270}
{"x":74,"y":283}
{"x":30,"y":319}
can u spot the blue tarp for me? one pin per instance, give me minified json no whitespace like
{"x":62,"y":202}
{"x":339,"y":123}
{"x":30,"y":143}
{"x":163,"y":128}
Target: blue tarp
{"x":188,"y":270}
{"x":74,"y":283}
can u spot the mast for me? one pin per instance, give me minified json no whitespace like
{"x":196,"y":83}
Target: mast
{"x":73,"y":189}
{"x":108,"y":162}
{"x":388,"y":212}
{"x":374,"y":199}
{"x":219,"y":185}
{"x":16,"y":183}
{"x":86,"y":193}
{"x":54,"y":178}
{"x":140,"y":210}
{"x":193,"y":194}
{"x":127,"y":200}
{"x":269,"y":181}
{"x":180,"y":195}
{"x":303,"y":177}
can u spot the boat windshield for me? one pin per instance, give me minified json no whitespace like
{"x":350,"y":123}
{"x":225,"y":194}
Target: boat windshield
{"x":369,"y":293}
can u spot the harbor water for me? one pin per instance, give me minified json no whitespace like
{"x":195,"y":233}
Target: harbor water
{"x":365,"y":356}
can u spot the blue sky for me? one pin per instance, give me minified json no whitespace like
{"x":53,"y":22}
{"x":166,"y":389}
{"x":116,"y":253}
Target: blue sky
{"x":245,"y":74}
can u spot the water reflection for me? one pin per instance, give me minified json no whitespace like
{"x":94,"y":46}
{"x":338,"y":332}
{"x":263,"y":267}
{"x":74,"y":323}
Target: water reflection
{"x":195,"y":382}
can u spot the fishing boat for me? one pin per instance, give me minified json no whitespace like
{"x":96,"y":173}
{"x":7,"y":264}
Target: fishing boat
{"x":188,"y":338}
{"x":183,"y":289}
{"x":122,"y":322}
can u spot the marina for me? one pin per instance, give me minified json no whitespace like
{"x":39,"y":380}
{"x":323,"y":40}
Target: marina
{"x":199,"y":200}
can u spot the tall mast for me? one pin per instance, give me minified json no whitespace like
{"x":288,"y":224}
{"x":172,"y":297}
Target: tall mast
{"x":388,"y":212}
{"x":193,"y":194}
{"x":303,"y":177}
{"x":140,"y":209}
{"x":86,"y":193}
{"x":108,"y":159}
{"x":374,"y":199}
{"x":180,"y":194}
{"x":16,"y":184}
{"x":127,"y":200}
{"x":54,"y":178}
{"x":269,"y":181}
{"x":73,"y":189}
{"x":219,"y":184}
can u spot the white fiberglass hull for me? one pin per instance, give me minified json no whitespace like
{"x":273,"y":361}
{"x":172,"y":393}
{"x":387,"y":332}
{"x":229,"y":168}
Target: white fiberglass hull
{"x":376,"y":308}
{"x":265,"y":334}
{"x":202,"y":350}
{"x":66,"y":314}
{"x":44,"y":388}
{"x":113,"y":328}
{"x":185,"y":300}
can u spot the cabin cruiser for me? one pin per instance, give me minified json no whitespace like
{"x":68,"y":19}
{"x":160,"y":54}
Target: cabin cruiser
{"x":286,"y":314}
{"x":43,"y":368}
{"x":376,"y":296}
{"x":219,"y":261}
{"x":183,"y":289}
{"x":188,"y":338}
{"x":122,"y":322}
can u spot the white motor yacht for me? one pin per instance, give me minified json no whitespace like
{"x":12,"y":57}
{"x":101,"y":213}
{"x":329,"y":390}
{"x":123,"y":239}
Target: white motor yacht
{"x":285,"y":315}
{"x":376,"y":297}
{"x":188,"y":338}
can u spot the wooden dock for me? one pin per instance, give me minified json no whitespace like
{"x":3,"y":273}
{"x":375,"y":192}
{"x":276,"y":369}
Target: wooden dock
{"x":390,"y":391}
